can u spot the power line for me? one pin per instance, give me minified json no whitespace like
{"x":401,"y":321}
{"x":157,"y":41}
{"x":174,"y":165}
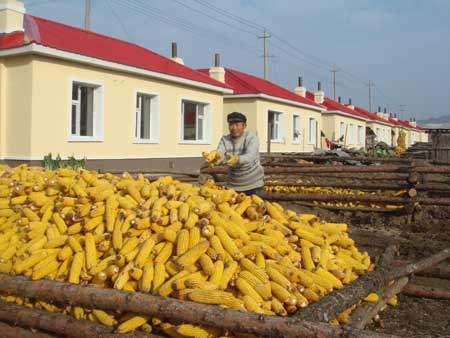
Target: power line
{"x":230,"y":15}
{"x":155,"y":13}
{"x":121,"y":23}
{"x":215,"y":19}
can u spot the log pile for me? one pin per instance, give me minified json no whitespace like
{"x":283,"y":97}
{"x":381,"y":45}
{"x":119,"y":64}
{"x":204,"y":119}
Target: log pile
{"x":384,"y":185}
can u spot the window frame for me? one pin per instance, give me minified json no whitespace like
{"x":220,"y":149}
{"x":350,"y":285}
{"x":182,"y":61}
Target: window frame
{"x":208,"y":112}
{"x":97,"y":114}
{"x":312,"y":141}
{"x":299,"y":139}
{"x":154,"y":118}
{"x":351,"y":135}
{"x":341,"y":129}
{"x":360,"y":134}
{"x":280,"y":124}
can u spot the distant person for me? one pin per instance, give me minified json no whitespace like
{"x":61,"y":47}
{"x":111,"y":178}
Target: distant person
{"x":241,"y":150}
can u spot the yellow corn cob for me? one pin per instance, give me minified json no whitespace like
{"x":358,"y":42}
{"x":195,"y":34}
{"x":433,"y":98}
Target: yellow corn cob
{"x":75,"y":268}
{"x":159,"y":276}
{"x":228,"y":244}
{"x":216,"y":276}
{"x":214,"y":297}
{"x":131,"y":324}
{"x":372,"y":298}
{"x":228,"y":273}
{"x":104,"y":318}
{"x":193,"y":254}
{"x":207,"y":264}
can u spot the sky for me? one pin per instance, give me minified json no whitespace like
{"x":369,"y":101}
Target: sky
{"x":401,"y":46}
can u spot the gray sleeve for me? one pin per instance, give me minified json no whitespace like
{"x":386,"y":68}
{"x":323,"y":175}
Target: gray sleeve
{"x":251,"y":151}
{"x":221,"y":147}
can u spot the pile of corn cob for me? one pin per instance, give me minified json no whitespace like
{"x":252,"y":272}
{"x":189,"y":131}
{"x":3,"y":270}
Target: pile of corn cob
{"x":339,"y":191}
{"x":168,"y":238}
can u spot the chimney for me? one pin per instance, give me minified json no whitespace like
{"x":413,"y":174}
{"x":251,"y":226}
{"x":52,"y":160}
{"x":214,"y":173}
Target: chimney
{"x":395,"y":117}
{"x":350,"y":104}
{"x":379,"y":109}
{"x":339,"y":99}
{"x":11,"y":16}
{"x":217,"y":72}
{"x":300,"y":90}
{"x":380,"y":113}
{"x":175,"y":54}
{"x":413,"y":122}
{"x":319,"y":95}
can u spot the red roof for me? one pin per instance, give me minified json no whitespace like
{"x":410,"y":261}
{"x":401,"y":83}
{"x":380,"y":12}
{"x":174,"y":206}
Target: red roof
{"x":243,"y":83}
{"x":371,"y":115}
{"x":334,"y":105}
{"x":75,"y":40}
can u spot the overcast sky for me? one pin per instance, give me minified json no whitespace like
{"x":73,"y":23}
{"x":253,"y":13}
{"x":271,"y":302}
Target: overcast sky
{"x":402,"y":46}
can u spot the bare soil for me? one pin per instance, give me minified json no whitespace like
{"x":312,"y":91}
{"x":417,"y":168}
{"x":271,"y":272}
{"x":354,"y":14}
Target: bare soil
{"x":421,"y":235}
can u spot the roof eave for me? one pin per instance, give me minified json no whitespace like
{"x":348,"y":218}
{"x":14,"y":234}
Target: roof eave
{"x":34,"y":48}
{"x":274,"y":98}
{"x":345,"y":114}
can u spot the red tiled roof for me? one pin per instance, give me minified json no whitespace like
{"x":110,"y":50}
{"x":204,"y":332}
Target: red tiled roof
{"x":75,"y":40}
{"x":243,"y":83}
{"x":334,"y":105}
{"x":371,"y":115}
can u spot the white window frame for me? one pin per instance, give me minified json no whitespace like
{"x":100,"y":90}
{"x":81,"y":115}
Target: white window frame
{"x":351,"y":135}
{"x":360,"y":134}
{"x":299,"y":137}
{"x":312,"y":140}
{"x":154,"y":118}
{"x":97,"y":114}
{"x":341,"y":129}
{"x":208,"y":111}
{"x":279,"y":123}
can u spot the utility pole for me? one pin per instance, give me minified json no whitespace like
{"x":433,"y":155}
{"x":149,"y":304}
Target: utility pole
{"x":402,"y":110}
{"x":87,"y":15}
{"x":334,"y":71}
{"x":265,"y":55}
{"x":370,"y":95}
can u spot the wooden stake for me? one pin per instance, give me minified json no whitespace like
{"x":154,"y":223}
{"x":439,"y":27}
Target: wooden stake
{"x":165,"y":308}
{"x":338,"y":301}
{"x":9,"y":331}
{"x":366,"y":311}
{"x":60,"y":324}
{"x":425,"y":291}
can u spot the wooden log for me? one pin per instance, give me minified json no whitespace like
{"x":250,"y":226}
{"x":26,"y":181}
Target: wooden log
{"x":336,"y":198}
{"x":362,"y":209}
{"x":342,"y":168}
{"x":396,"y":177}
{"x":10,"y":331}
{"x":170,"y":309}
{"x":347,"y":185}
{"x":439,"y":271}
{"x":366,"y":311}
{"x":60,"y":324}
{"x":354,"y":198}
{"x":338,"y":301}
{"x":424,"y":291}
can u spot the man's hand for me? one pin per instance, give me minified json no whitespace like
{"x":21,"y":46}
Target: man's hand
{"x":231,"y":159}
{"x":214,"y":158}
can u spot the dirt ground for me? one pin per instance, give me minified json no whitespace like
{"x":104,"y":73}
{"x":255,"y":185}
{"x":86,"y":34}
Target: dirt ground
{"x":420,"y":236}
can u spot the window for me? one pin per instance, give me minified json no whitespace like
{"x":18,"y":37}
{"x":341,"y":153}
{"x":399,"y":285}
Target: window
{"x":275,"y":126}
{"x":351,"y":135}
{"x":360,"y":135}
{"x":378,"y":134}
{"x":146,"y":117}
{"x":86,"y":112}
{"x":195,"y":120}
{"x":341,"y":129}
{"x":296,"y":129}
{"x":312,"y":131}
